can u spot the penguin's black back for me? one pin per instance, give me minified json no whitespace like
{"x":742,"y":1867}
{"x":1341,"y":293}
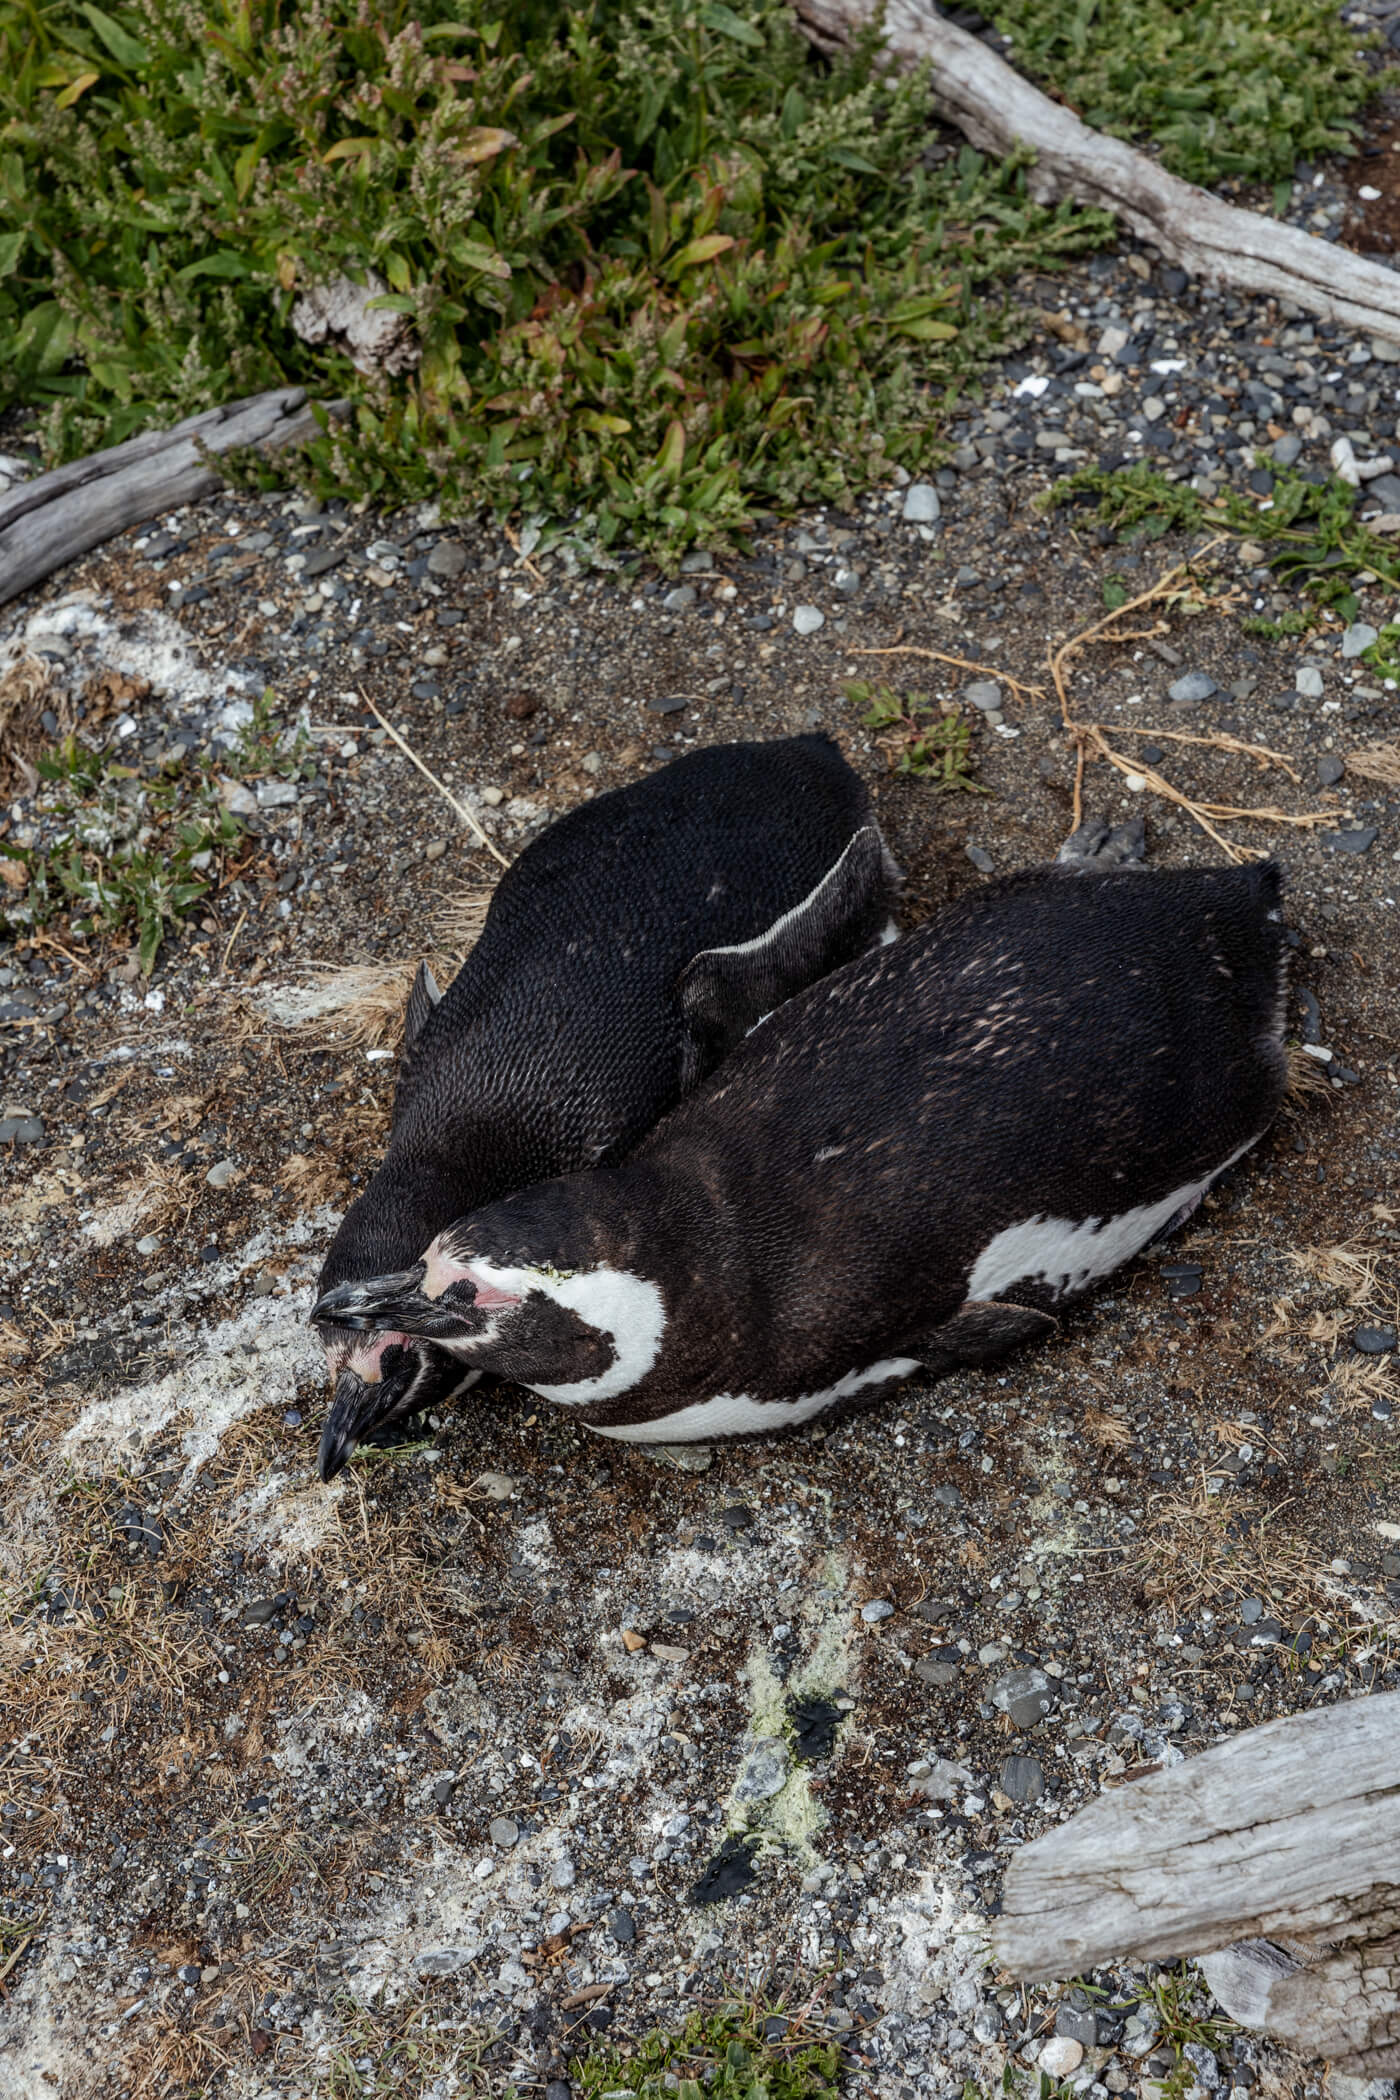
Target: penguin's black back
{"x":560,"y":1041}
{"x":1057,"y":1045}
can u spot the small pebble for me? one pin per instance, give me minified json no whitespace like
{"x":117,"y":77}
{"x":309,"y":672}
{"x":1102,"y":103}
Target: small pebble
{"x":878,"y":1609}
{"x":1193,"y":685}
{"x":1307,"y":680}
{"x":1023,"y":1778}
{"x":1330,"y":769}
{"x":981,"y":859}
{"x":1374,"y":1341}
{"x":1358,"y":636}
{"x":807,"y":619}
{"x":921,"y":504}
{"x":220,"y":1176}
{"x":503,"y":1832}
{"x":984,"y":693}
{"x":1358,"y":840}
{"x":1060,"y":2056}
{"x":448,"y":558}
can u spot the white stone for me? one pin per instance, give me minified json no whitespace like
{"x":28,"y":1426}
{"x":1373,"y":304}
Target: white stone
{"x":808,"y":618}
{"x":1307,"y":680}
{"x":1359,"y":636}
{"x":1061,"y":2055}
{"x":921,"y":504}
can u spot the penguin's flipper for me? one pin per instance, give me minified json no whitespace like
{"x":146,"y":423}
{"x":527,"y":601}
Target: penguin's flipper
{"x":421,"y":1001}
{"x":725,"y":992}
{"x":981,"y":1330}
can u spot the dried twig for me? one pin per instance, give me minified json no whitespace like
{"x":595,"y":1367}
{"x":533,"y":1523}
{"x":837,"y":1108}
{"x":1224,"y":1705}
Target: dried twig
{"x":1090,"y":739}
{"x":961,"y":663}
{"x":412,"y":756}
{"x":1378,"y":762}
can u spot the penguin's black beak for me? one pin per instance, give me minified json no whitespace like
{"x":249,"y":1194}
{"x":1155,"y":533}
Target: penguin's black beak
{"x":399,"y":1303}
{"x":357,"y":1407}
{"x":363,"y":1304}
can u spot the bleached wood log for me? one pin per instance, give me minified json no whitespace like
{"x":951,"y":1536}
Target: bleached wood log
{"x":996,"y":109}
{"x":1289,"y":1832}
{"x":58,"y":516}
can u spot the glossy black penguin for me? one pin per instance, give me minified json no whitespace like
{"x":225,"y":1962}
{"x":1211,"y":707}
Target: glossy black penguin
{"x":623,"y":953}
{"x":916,"y":1162}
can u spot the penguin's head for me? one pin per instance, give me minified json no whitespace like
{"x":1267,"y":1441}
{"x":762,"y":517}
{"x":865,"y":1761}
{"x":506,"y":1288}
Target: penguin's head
{"x":380,"y":1378}
{"x":573,"y":1336}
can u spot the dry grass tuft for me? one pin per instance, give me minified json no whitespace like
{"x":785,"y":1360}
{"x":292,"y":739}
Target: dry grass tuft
{"x":1378,"y":762}
{"x":1352,"y":1266}
{"x":313,"y":1181}
{"x":1109,"y":1430}
{"x":1359,"y":1382}
{"x":1307,"y":1079}
{"x":157,"y":1197}
{"x":26,"y":689}
{"x":361,"y":1005}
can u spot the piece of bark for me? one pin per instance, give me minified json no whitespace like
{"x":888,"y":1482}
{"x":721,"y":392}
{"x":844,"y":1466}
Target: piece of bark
{"x":1289,"y":1832}
{"x":58,"y":516}
{"x":997,"y":110}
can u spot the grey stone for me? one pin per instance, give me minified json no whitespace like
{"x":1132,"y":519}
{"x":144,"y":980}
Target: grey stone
{"x":1359,"y":840}
{"x":1252,"y":1610}
{"x":765,"y":1771}
{"x":1358,"y":636}
{"x":1307,"y":680}
{"x":921,"y":504}
{"x":1025,"y":1694}
{"x":445,"y":1961}
{"x":1203,"y":2062}
{"x":1330,"y":769}
{"x":807,"y":619}
{"x":622,"y":1926}
{"x":939,"y":1673}
{"x":448,"y":559}
{"x":562,"y":1873}
{"x":1024,"y":1780}
{"x":984,"y":693}
{"x":442,"y":1791}
{"x":681,"y":598}
{"x":1078,"y":2023}
{"x":1192,"y":685}
{"x":21,"y":1130}
{"x":698,"y":564}
{"x":1287,"y":450}
{"x":876,"y":1610}
{"x":221,"y":1175}
{"x":503,"y":1831}
{"x":981,"y":859}
{"x":323,"y":559}
{"x":1374,"y":1341}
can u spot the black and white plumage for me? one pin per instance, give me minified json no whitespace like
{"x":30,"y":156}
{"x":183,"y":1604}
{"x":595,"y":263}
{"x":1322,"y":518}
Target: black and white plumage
{"x":628,"y":947}
{"x":916,"y":1162}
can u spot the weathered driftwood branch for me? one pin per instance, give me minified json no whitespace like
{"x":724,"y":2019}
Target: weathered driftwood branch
{"x":996,"y":109}
{"x":58,"y":516}
{"x":1289,"y":1832}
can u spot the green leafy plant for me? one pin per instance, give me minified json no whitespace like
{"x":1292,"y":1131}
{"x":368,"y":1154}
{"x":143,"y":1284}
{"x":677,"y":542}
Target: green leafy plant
{"x":717,"y":2056}
{"x":1312,"y":535}
{"x":931,"y":743}
{"x":1224,"y":87}
{"x":657,"y":266}
{"x":119,"y":850}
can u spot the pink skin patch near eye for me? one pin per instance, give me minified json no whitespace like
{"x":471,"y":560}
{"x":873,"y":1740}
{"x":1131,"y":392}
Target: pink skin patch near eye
{"x":442,"y":1269}
{"x":364,"y":1354}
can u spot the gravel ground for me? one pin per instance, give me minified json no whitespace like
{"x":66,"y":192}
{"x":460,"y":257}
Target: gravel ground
{"x":446,"y":1751}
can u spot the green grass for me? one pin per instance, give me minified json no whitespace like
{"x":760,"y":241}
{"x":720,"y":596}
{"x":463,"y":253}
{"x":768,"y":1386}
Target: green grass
{"x":664,"y":268}
{"x":717,"y":2056}
{"x":1224,"y":87}
{"x":1312,"y":537}
{"x":119,"y":851}
{"x":931,"y":744}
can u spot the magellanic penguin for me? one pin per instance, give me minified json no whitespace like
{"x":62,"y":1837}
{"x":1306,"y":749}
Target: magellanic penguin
{"x":624,"y":952}
{"x":915,"y":1163}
